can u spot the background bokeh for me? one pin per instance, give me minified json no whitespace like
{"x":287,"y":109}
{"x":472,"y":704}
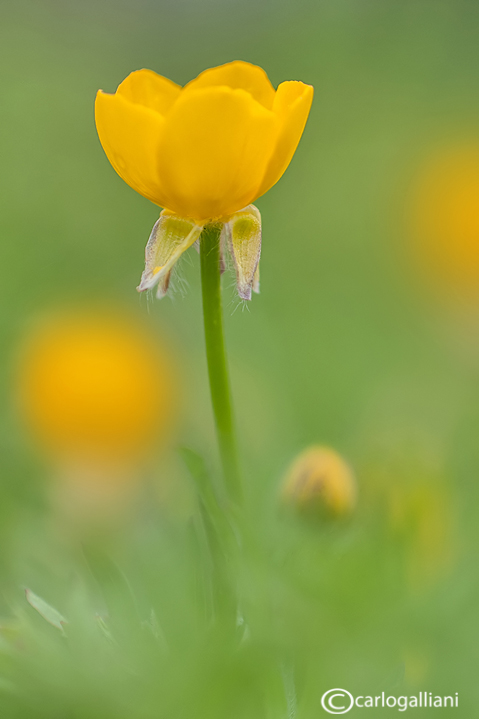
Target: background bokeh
{"x":354,"y":342}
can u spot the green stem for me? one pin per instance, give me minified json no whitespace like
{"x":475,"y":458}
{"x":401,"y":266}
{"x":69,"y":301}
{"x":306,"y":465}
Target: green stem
{"x":216,"y":357}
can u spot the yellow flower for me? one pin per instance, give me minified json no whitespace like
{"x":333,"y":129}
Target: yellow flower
{"x":423,"y":514}
{"x":202,"y":152}
{"x":206,"y":150}
{"x":444,"y":219}
{"x":92,"y":386}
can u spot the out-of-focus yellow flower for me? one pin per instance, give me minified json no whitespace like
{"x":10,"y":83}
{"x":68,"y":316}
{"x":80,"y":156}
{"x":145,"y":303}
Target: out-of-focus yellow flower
{"x":422,"y":514}
{"x":444,"y":219}
{"x":202,"y":152}
{"x":94,"y":388}
{"x":320,"y":482}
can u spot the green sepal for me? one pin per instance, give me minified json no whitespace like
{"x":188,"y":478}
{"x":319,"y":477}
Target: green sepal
{"x":170,"y":237}
{"x":244,"y":236}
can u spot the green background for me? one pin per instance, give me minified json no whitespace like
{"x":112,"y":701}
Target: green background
{"x":341,"y":347}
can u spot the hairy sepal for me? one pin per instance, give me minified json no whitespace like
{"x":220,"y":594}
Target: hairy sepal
{"x":170,"y":237}
{"x":244,"y":238}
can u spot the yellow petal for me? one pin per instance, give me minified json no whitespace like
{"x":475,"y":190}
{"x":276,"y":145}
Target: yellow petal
{"x":291,"y":104}
{"x":130,"y":136}
{"x":215,"y":146}
{"x":145,"y":87}
{"x":237,"y":75}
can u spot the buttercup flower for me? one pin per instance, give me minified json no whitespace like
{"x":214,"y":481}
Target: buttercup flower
{"x":444,"y":219}
{"x":204,"y":153}
{"x":99,"y":396}
{"x":95,"y":385}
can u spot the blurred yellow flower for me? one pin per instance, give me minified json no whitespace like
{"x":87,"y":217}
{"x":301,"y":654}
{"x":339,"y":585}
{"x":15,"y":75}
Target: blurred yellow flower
{"x":319,"y":481}
{"x":444,"y":219}
{"x":208,"y":149}
{"x":203,"y":152}
{"x":422,"y":514}
{"x":93,"y":386}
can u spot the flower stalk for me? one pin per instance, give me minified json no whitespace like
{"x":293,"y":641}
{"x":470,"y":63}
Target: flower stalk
{"x":216,"y":358}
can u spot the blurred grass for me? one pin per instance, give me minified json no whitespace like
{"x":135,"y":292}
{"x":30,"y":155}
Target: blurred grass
{"x":341,"y":347}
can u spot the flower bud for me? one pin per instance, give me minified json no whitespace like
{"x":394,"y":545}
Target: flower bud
{"x":320,"y":483}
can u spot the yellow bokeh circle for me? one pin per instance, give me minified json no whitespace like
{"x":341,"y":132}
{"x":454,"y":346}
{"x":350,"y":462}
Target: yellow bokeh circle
{"x":95,"y":384}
